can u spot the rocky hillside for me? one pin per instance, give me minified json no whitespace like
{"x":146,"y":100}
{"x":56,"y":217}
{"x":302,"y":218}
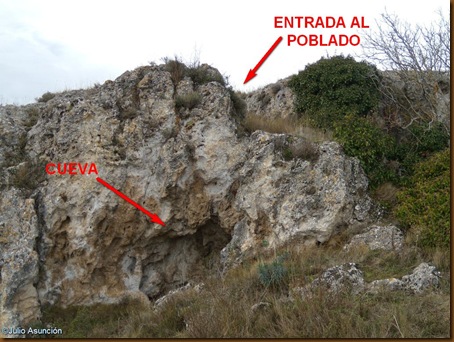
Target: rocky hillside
{"x":175,"y":147}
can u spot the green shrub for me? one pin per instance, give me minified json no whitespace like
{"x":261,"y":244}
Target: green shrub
{"x":287,"y":154}
{"x":239,"y":105}
{"x":362,"y":139}
{"x":202,"y":74}
{"x":424,"y":206}
{"x":274,"y":275}
{"x":416,"y":144}
{"x":199,"y":73}
{"x":428,"y":138}
{"x":46,"y":97}
{"x":330,"y":88}
{"x":189,"y":100}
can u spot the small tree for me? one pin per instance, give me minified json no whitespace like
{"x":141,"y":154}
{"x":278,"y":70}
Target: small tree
{"x":332,"y":87}
{"x":417,"y":63}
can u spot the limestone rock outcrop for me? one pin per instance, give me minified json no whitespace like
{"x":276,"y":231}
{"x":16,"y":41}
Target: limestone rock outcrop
{"x":221,"y":194}
{"x":272,"y":101}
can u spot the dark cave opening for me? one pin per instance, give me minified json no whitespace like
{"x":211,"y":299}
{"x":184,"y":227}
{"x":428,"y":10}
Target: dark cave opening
{"x":185,"y":259}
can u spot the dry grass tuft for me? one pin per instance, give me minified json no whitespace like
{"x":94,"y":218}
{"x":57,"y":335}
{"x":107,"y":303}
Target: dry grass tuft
{"x":305,"y":150}
{"x":387,"y":192}
{"x":189,"y":101}
{"x":298,"y":127}
{"x":254,"y":122}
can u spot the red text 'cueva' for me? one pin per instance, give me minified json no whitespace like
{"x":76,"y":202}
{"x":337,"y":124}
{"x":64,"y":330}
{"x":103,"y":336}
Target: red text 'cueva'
{"x":71,"y":168}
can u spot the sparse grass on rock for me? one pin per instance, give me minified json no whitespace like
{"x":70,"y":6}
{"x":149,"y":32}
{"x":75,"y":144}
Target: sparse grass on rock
{"x":189,"y":101}
{"x":289,"y":125}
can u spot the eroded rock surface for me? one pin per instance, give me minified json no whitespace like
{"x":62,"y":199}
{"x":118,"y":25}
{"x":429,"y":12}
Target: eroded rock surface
{"x":378,"y":237}
{"x":272,"y":101}
{"x":18,"y":261}
{"x":221,"y":195}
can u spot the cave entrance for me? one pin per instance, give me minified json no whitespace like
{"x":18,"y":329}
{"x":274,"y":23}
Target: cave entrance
{"x":189,"y":258}
{"x":210,"y":239}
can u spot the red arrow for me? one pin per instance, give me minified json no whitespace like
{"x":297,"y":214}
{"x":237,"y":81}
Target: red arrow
{"x":252,"y":73}
{"x":154,"y":218}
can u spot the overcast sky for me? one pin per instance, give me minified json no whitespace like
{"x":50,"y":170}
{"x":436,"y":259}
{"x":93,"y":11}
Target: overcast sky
{"x":53,"y":45}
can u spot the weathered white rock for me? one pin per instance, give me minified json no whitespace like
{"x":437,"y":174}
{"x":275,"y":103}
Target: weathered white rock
{"x":272,"y":101}
{"x":348,"y":277}
{"x":378,"y":237}
{"x":336,"y":279}
{"x":300,"y":200}
{"x":160,"y":302}
{"x":423,"y":277}
{"x":390,"y":284}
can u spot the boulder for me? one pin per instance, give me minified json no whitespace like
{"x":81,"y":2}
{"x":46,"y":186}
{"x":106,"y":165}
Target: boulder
{"x":424,"y":277}
{"x":378,"y":237}
{"x":336,"y":279}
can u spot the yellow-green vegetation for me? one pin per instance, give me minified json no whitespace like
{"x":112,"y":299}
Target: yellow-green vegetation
{"x":343,"y":95}
{"x":424,"y":205}
{"x":408,"y":165}
{"x":253,"y":122}
{"x":224,"y":307}
{"x":364,"y":140}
